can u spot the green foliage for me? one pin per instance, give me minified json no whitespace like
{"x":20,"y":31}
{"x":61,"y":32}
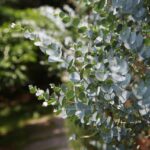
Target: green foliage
{"x":16,"y":52}
{"x":108,"y":76}
{"x":14,"y":56}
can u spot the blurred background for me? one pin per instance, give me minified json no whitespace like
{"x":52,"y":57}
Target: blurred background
{"x":24,"y":123}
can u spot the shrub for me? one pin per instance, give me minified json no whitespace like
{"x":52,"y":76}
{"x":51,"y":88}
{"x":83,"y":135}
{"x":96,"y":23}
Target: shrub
{"x":17,"y":54}
{"x":107,"y":86}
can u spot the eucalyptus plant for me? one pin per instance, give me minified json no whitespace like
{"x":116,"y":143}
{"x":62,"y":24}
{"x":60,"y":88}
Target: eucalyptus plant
{"x":107,"y":81}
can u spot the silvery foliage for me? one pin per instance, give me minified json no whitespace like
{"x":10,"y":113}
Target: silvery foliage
{"x":108,"y":83}
{"x":48,"y":41}
{"x":131,"y":7}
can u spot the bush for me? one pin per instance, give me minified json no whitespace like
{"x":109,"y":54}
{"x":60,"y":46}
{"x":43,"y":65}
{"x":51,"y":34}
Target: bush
{"x":107,"y":72}
{"x":17,"y":54}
